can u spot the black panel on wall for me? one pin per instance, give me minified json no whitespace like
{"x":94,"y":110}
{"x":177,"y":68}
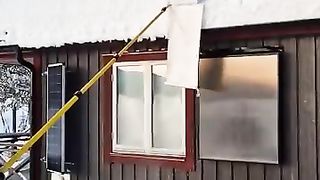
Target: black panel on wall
{"x":55,"y":137}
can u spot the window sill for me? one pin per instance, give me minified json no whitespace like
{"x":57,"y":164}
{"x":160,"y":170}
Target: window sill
{"x":169,"y":161}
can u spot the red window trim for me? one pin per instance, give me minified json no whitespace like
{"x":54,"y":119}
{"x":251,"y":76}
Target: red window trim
{"x":35,"y":59}
{"x":185,"y":163}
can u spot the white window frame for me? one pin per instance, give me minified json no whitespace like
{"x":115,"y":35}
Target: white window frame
{"x":147,"y":149}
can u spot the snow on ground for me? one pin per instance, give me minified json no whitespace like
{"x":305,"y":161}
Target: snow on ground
{"x":37,"y":23}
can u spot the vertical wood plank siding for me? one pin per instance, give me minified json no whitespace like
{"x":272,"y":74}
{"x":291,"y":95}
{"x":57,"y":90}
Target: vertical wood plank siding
{"x":307,"y":108}
{"x":73,"y":67}
{"x":299,"y":116}
{"x":318,"y":98}
{"x":289,"y":136}
{"x":44,"y":112}
{"x":93,"y":93}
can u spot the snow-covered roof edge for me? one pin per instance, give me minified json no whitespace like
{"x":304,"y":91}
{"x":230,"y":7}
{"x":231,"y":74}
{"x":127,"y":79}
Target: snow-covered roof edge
{"x":43,"y":23}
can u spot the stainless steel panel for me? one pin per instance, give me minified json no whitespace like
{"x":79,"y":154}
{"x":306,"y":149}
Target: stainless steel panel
{"x":239,"y":108}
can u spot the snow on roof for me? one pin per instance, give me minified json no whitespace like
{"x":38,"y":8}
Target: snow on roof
{"x":43,"y":23}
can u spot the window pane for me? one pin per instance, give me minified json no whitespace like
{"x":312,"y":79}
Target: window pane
{"x":168,"y":112}
{"x":15,"y":98}
{"x":130,"y":106}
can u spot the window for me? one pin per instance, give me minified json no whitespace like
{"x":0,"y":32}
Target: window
{"x":15,"y":98}
{"x":150,"y":121}
{"x":148,"y":116}
{"x":20,"y":109}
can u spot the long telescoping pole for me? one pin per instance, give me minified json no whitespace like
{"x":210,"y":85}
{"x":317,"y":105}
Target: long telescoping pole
{"x":74,"y":99}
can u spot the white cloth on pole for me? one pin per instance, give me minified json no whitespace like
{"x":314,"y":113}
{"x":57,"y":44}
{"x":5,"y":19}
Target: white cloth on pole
{"x":184,"y":44}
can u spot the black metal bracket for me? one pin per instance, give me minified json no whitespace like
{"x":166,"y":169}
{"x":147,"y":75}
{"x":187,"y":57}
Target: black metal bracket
{"x":116,"y":56}
{"x":78,"y":94}
{"x":238,"y":51}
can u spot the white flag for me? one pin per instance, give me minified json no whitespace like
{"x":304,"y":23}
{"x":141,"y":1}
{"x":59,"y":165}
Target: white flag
{"x":184,"y":44}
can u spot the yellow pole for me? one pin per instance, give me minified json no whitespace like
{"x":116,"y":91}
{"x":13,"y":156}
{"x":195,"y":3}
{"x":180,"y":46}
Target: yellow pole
{"x":75,"y":98}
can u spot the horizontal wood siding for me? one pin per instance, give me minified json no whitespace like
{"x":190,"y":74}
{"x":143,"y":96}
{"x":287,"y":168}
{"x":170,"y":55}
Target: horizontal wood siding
{"x":299,"y":116}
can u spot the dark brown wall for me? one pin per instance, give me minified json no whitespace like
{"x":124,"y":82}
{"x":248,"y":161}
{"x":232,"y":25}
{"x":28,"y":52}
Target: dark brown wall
{"x":299,"y":120}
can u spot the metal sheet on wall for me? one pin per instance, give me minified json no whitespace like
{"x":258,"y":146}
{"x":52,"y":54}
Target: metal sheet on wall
{"x":239,"y":108}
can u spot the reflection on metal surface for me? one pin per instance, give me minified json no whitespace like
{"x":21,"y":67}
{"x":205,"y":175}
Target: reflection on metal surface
{"x":239,"y":108}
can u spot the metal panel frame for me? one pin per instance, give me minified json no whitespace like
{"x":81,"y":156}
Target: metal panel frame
{"x":62,"y":120}
{"x":276,"y":53}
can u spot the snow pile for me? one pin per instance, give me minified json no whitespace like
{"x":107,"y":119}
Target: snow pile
{"x":37,"y":23}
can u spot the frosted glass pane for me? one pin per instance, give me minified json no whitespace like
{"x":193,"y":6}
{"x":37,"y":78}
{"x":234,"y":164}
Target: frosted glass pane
{"x":168,"y":110}
{"x":130,"y":106}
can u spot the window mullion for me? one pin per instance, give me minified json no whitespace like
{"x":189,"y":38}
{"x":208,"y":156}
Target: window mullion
{"x":184,"y":117}
{"x":114,"y":135}
{"x":148,"y":108}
